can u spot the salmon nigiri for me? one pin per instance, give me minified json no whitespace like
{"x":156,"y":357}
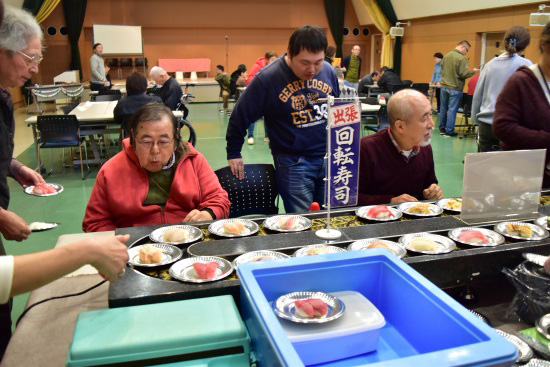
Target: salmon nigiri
{"x":236,"y":228}
{"x":473,"y":237}
{"x":379,"y":212}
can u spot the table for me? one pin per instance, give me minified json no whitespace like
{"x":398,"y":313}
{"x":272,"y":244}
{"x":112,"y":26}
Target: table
{"x":185,"y":65}
{"x":374,"y":90}
{"x":41,"y":93}
{"x":94,"y":117}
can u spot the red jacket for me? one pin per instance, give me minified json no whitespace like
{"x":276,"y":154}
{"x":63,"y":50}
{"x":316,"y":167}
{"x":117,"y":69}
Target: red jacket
{"x":522,"y":115}
{"x":122,"y":186}
{"x":259,"y":65}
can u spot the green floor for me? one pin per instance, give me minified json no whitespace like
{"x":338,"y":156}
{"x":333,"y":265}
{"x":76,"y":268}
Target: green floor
{"x":210,"y":125}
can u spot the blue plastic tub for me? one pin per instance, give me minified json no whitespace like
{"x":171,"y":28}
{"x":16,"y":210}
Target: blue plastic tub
{"x":424,"y":326}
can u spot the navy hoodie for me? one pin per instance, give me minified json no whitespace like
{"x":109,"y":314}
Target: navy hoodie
{"x":296,"y":121}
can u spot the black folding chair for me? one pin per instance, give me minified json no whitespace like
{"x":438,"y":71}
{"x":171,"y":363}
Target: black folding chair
{"x":108,"y":97}
{"x":255,"y":194}
{"x":61,"y":131}
{"x":423,"y":88}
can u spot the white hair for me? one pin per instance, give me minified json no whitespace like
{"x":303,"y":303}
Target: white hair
{"x":157,"y":71}
{"x":18,"y":28}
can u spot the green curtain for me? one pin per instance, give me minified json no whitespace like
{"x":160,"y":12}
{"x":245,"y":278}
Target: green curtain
{"x":33,"y":6}
{"x":75,"y":10}
{"x":387,"y":8}
{"x":335,"y":10}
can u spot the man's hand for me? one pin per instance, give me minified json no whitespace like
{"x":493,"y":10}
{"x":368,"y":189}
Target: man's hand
{"x":197,"y":216}
{"x":405,"y":198}
{"x":13,"y":227}
{"x":438,"y":85}
{"x":476,"y":70}
{"x":433,"y":192}
{"x":26,"y":177}
{"x":109,"y":255}
{"x":237,"y":167}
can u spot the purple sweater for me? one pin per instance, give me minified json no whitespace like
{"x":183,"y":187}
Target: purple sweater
{"x":384,"y":173}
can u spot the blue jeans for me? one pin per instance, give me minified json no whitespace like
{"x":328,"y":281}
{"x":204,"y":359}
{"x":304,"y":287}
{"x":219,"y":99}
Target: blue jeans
{"x":300,"y":181}
{"x":251,"y":131}
{"x":450,"y":99}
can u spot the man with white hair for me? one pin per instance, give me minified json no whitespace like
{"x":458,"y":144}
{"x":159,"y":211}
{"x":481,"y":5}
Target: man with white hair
{"x":171,"y":92}
{"x":396,"y":164}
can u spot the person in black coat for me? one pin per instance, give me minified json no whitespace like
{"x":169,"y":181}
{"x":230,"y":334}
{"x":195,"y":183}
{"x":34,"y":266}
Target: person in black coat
{"x":389,"y":80}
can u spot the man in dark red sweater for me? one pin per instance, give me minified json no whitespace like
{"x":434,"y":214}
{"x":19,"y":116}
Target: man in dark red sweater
{"x":396,"y":164}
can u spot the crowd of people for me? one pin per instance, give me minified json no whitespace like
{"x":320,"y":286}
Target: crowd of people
{"x":158,"y":179}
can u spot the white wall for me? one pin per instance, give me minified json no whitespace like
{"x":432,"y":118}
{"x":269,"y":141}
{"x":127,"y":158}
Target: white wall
{"x":15,"y":3}
{"x":410,"y":9}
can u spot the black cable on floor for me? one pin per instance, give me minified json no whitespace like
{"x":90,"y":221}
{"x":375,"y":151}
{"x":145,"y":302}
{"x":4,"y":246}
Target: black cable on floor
{"x":57,"y":297}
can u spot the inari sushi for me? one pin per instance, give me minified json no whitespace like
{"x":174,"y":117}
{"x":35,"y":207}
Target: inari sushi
{"x":311,"y":308}
{"x":150,"y":255}
{"x":473,"y":236}
{"x":379,"y":212}
{"x":234,"y":228}
{"x":205,"y":271}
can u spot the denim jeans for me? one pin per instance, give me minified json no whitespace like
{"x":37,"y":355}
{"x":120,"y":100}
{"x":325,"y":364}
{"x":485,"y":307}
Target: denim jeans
{"x":450,"y":99}
{"x":300,"y":181}
{"x":251,"y":131}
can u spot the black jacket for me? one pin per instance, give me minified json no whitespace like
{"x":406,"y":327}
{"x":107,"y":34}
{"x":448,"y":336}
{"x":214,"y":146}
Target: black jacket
{"x":171,"y":93}
{"x":367,"y":80}
{"x":389,"y":80}
{"x":127,"y":106}
{"x":7,"y":128}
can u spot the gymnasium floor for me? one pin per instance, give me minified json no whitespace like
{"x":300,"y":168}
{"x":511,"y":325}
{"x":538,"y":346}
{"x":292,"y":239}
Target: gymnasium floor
{"x":210,"y":126}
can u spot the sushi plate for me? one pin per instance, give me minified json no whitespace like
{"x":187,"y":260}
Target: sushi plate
{"x":216,"y":228}
{"x":507,"y":203}
{"x":183,"y":270}
{"x":443,"y":244}
{"x":494,"y":238}
{"x":57,"y":187}
{"x":362,"y":213}
{"x":434,"y":209}
{"x":42,"y":226}
{"x":302,"y":223}
{"x":256,"y":256}
{"x":543,"y":325}
{"x":170,"y":254}
{"x":542,"y":221}
{"x":306,"y":251}
{"x":285,"y":308}
{"x":394,"y":247}
{"x":538,"y":233}
{"x":525,"y":351}
{"x":443,"y":204}
{"x":194,"y":234}
{"x":534,"y":362}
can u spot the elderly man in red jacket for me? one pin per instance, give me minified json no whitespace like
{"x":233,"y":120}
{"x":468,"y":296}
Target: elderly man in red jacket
{"x":396,"y":164}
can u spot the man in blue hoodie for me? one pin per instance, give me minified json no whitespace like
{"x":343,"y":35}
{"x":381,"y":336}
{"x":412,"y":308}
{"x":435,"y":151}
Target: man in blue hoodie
{"x":286,"y":93}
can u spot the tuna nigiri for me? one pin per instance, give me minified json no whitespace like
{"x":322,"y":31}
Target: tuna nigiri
{"x":311,"y":308}
{"x":379,"y":212}
{"x":473,"y":237}
{"x":236,"y":228}
{"x":205,"y":271}
{"x":288,"y":223}
{"x":43,"y":189}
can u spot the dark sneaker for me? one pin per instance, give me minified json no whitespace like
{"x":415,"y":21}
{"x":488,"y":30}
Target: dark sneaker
{"x":442,"y":132}
{"x":451,"y":134}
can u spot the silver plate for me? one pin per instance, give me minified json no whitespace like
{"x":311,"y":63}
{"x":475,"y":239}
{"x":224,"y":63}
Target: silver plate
{"x":543,"y":325}
{"x":284,"y":307}
{"x":42,"y":226}
{"x":538,"y":233}
{"x":195,"y":234}
{"x":57,"y":187}
{"x":534,"y":362}
{"x":480,"y":316}
{"x":445,"y":245}
{"x":525,"y":352}
{"x":362,"y":213}
{"x":395,"y":248}
{"x":535,"y":258}
{"x":330,"y":250}
{"x":543,"y":222}
{"x":255,"y":256}
{"x":216,"y":228}
{"x":434,"y":209}
{"x":272,"y":223}
{"x":183,"y":269}
{"x":170,"y":254}
{"x":494,"y":238}
{"x":507,"y":203}
{"x":443,"y":204}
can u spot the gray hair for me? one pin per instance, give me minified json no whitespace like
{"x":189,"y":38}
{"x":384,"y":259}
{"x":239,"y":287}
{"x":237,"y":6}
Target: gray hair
{"x":157,"y":71}
{"x":339,"y":72}
{"x":400,"y":106}
{"x":18,"y":29}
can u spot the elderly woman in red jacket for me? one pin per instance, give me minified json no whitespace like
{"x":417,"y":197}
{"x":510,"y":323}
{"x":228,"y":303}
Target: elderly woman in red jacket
{"x":156,"y":179}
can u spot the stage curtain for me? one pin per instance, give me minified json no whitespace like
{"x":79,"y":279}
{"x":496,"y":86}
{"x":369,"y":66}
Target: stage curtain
{"x":46,"y":9}
{"x":387,"y":8}
{"x":335,"y":10}
{"x":383,"y":25}
{"x":75,"y":10}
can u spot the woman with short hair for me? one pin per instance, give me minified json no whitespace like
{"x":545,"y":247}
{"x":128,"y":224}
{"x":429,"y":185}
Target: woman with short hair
{"x":156,"y":179}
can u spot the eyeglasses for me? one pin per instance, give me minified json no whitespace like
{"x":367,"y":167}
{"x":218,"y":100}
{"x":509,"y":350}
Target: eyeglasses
{"x":36,"y":59}
{"x":163,"y":144}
